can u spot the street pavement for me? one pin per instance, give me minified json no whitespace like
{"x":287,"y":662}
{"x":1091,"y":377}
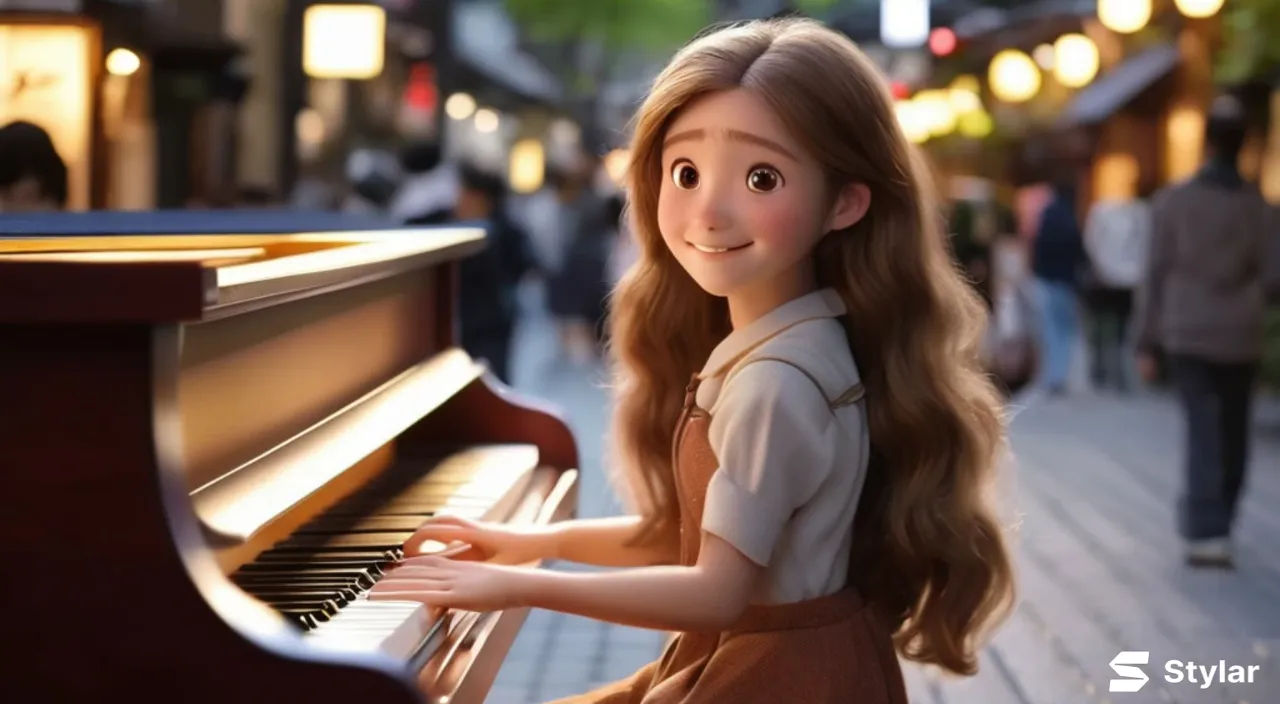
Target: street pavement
{"x":1089,"y":501}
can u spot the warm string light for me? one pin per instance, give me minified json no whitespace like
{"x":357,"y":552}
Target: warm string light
{"x":1124,"y":16}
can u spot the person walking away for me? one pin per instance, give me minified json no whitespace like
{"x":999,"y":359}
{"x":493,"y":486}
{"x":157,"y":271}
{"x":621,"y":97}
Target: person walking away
{"x":572,"y":292}
{"x":430,"y":187}
{"x":1116,"y":234}
{"x":33,"y":177}
{"x":541,"y":214}
{"x":1201,"y":307}
{"x":1057,"y":255}
{"x":488,"y":280}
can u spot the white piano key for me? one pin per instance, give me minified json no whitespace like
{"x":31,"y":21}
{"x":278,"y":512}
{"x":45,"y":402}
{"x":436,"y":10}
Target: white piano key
{"x":397,"y":628}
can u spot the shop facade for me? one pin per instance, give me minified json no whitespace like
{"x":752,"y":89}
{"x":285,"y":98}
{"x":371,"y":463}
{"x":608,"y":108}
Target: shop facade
{"x":127,"y":91}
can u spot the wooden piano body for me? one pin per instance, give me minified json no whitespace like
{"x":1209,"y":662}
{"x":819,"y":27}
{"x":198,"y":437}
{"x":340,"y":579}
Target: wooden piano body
{"x":172,"y":406}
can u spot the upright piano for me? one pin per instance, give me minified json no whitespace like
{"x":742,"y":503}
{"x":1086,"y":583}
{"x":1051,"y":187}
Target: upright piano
{"x":212,"y":445}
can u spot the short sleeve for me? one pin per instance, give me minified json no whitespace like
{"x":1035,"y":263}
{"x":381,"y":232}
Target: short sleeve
{"x":771,"y":431}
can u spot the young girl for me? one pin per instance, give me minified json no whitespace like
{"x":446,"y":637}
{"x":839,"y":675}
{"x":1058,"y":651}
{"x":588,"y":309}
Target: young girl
{"x":802,"y":519}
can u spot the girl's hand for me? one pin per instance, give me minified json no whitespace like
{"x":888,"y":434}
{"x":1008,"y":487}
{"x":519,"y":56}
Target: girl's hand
{"x":442,"y":583}
{"x":490,"y":542}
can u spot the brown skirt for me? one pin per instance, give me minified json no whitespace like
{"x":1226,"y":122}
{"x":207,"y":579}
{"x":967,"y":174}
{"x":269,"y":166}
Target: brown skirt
{"x":832,"y":650}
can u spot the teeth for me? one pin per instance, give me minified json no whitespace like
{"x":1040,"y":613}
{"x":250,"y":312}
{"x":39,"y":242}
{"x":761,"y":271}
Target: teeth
{"x":711,"y":250}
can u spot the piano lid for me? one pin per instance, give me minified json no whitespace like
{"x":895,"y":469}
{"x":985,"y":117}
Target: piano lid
{"x":238,"y":505}
{"x":192,"y":273}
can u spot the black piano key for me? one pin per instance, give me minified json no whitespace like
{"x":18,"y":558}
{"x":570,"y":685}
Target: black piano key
{"x":327,"y":608}
{"x":340,"y":598}
{"x":301,"y":567}
{"x":360,"y":582}
{"x":309,"y":618}
{"x":304,"y":569}
{"x":329,"y":561}
{"x":335,"y":589}
{"x":331,"y":558}
{"x":259,"y":591}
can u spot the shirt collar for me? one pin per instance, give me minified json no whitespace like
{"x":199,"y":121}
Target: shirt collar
{"x":824,"y":303}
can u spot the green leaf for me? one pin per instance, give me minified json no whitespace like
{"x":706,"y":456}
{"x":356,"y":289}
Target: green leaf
{"x":621,"y":24}
{"x":1249,"y":49}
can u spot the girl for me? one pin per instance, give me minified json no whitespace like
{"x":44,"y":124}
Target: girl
{"x":811,"y":517}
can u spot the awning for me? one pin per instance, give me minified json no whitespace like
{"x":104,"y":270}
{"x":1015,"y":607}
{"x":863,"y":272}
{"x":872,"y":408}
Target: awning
{"x":486,"y":39}
{"x":169,"y":43}
{"x":1116,"y":88}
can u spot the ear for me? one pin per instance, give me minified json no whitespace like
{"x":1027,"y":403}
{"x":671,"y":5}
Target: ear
{"x":850,"y":206}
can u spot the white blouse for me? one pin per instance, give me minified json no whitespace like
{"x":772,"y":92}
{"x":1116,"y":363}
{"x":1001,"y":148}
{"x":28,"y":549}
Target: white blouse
{"x":790,"y":435}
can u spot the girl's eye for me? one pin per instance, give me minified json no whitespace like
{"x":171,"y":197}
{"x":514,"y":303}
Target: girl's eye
{"x":684,"y":175}
{"x":764,"y":179}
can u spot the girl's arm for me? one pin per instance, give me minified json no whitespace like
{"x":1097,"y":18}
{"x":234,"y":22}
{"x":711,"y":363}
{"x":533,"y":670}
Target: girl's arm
{"x":709,"y":596}
{"x":605,"y":542}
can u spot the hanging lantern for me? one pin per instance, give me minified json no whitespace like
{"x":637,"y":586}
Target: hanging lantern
{"x":1125,"y":16}
{"x":343,"y":41}
{"x":1013,"y":76}
{"x":1198,"y":9}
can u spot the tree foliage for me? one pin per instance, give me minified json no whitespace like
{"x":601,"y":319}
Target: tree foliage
{"x":1250,"y":48}
{"x":656,"y":25}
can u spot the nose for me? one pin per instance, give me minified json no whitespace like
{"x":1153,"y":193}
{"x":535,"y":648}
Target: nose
{"x":712,"y":210}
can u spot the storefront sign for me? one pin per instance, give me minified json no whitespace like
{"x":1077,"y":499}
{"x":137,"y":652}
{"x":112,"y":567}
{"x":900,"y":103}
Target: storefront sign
{"x":45,"y":78}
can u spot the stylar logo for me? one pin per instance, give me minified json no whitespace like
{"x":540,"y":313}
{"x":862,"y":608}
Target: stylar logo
{"x":1124,"y":665}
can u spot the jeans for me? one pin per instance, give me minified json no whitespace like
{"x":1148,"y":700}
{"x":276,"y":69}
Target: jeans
{"x":1215,"y":401}
{"x":1109,"y":312}
{"x":1059,"y":331}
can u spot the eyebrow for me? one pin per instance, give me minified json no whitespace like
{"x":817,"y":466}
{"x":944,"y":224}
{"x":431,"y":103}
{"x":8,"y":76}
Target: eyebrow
{"x":733,"y":135}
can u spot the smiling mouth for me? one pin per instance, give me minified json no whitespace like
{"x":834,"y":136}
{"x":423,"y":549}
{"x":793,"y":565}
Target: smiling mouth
{"x":717,"y":250}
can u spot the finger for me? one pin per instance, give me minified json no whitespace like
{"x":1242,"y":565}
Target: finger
{"x":410,"y":584}
{"x":437,"y":561}
{"x":436,"y":538}
{"x":428,"y":597}
{"x":416,"y":573}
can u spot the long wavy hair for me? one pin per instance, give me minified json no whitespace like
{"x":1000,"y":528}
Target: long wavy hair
{"x":929,"y":550}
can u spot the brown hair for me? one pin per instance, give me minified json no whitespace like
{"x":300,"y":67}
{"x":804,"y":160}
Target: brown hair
{"x":929,"y":550}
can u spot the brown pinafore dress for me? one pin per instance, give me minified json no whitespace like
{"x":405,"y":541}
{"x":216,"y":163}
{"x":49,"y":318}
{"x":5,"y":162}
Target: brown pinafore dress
{"x":831,"y":650}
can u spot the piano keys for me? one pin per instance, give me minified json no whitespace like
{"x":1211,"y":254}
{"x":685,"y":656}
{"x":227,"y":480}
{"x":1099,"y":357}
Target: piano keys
{"x":212,"y":446}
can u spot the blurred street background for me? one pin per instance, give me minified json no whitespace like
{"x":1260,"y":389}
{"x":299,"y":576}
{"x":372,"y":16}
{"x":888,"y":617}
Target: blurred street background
{"x":1052,"y":125}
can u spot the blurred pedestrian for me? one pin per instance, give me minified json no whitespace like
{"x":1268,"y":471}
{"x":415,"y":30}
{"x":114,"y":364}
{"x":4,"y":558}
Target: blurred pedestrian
{"x":1116,"y":234}
{"x":1057,"y":258}
{"x":575,"y":293}
{"x":429,"y":187}
{"x":1201,"y":307}
{"x":488,"y":307}
{"x":33,"y":177}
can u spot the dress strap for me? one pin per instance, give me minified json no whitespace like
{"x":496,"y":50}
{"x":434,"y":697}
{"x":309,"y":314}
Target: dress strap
{"x":691,"y":391}
{"x":851,"y":395}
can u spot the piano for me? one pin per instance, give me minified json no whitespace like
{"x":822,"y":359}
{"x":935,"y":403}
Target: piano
{"x":211,"y":445}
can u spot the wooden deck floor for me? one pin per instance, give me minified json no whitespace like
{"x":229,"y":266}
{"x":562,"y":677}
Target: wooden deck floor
{"x":1092,"y":493}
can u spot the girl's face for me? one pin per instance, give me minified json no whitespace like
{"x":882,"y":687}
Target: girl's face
{"x":742,"y":205}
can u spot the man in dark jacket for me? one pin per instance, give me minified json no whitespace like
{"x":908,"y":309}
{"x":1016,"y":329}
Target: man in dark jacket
{"x":1201,"y":306}
{"x":1057,"y":256}
{"x":488,"y":306}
